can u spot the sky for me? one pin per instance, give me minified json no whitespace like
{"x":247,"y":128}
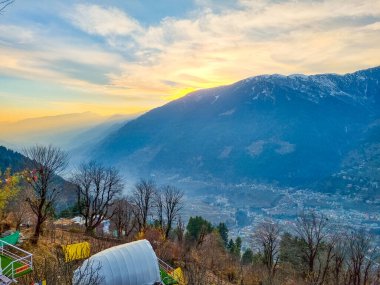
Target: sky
{"x":129,"y":56}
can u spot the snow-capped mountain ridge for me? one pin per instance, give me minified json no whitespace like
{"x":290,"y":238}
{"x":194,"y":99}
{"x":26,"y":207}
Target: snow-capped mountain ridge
{"x":291,"y":129}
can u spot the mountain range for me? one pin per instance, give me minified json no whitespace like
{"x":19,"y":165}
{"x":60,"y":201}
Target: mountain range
{"x":69,"y":131}
{"x":292,"y":130}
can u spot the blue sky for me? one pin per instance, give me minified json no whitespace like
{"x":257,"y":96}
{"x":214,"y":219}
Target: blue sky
{"x":130,"y":56}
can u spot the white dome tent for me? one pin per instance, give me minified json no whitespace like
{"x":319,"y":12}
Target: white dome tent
{"x":133,"y":263}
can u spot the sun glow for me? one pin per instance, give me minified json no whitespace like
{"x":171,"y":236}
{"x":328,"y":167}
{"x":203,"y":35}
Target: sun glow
{"x":107,"y":60}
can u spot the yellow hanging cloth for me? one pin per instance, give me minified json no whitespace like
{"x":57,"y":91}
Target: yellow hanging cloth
{"x":178,"y":275}
{"x":76,"y":251}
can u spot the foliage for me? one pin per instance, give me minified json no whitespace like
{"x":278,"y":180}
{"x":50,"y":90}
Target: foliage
{"x":223,"y":232}
{"x":291,"y":248}
{"x":234,"y":247}
{"x":9,"y":188}
{"x":70,"y":212}
{"x":247,"y":257}
{"x":197,"y":228}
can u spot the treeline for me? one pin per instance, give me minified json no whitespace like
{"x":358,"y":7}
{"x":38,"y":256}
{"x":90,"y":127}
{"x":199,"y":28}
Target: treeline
{"x":312,"y":251}
{"x":99,"y":195}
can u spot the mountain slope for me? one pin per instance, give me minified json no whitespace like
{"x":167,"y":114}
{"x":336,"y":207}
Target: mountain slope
{"x":290,"y":129}
{"x":79,"y":145}
{"x":11,"y":159}
{"x":59,"y":130}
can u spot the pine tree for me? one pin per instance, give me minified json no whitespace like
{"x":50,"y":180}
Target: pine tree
{"x":223,"y":232}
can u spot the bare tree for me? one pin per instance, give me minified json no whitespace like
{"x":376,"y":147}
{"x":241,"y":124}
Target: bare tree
{"x":143,"y":199}
{"x":123,"y":217}
{"x":267,"y":238}
{"x":180,"y":230}
{"x":58,"y":271}
{"x":313,"y":231}
{"x":172,"y":206}
{"x":97,"y":187}
{"x":87,"y":274}
{"x":18,"y":208}
{"x":339,"y":256}
{"x":4,"y":4}
{"x":158,"y":202}
{"x":45,"y":162}
{"x":360,"y":258}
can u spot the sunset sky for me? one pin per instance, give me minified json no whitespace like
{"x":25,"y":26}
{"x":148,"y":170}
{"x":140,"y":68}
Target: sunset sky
{"x":129,"y":56}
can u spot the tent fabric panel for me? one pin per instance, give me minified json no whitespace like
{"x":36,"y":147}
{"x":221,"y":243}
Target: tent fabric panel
{"x":11,"y":239}
{"x":132,"y":263}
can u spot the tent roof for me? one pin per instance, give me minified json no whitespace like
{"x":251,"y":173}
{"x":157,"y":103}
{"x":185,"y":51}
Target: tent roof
{"x":132,"y":263}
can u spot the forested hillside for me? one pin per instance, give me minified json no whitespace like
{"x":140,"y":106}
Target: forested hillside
{"x":11,"y":159}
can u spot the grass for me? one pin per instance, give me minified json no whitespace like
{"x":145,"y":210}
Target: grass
{"x":5,"y":261}
{"x":167,"y":279}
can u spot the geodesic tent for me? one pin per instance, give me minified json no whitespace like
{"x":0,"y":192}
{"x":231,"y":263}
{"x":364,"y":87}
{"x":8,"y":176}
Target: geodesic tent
{"x":133,"y":263}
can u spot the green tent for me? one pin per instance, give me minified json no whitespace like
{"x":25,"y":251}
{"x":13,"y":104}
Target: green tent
{"x":11,"y":239}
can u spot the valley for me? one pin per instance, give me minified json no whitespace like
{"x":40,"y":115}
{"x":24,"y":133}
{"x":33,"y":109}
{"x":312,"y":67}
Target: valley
{"x":260,"y":202}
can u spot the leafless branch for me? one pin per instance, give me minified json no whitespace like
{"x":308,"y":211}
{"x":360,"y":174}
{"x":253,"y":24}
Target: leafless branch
{"x":4,"y":4}
{"x":45,"y":162}
{"x":97,"y":188}
{"x":143,"y":199}
{"x":267,"y":238}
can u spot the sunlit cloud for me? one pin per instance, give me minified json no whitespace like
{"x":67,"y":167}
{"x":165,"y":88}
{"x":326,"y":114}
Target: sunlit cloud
{"x":122,"y":62}
{"x":104,"y":21}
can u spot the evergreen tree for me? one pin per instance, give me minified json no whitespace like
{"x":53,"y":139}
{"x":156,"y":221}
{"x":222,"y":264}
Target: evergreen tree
{"x":223,"y":232}
{"x":197,"y":228}
{"x":247,"y":257}
{"x":238,"y":246}
{"x":231,"y":246}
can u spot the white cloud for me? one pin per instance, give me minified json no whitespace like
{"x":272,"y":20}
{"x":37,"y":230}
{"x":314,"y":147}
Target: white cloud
{"x":264,"y":37}
{"x":103,"y":21}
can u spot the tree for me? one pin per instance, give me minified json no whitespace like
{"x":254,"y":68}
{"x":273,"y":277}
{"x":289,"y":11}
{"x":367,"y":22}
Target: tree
{"x":143,"y":199}
{"x":339,"y":257}
{"x":158,"y":202}
{"x":360,"y":258}
{"x":247,"y":257}
{"x":180,"y":230}
{"x":291,"y":251}
{"x":313,"y":231}
{"x":87,"y":274}
{"x":223,"y":232}
{"x":44,"y":164}
{"x":172,"y":206}
{"x":55,"y":270}
{"x":9,"y":188}
{"x":197,"y":229}
{"x":4,"y":4}
{"x":18,"y":208}
{"x":231,"y":246}
{"x":238,"y":242}
{"x":123,"y":217}
{"x":267,"y":238}
{"x":97,"y":188}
